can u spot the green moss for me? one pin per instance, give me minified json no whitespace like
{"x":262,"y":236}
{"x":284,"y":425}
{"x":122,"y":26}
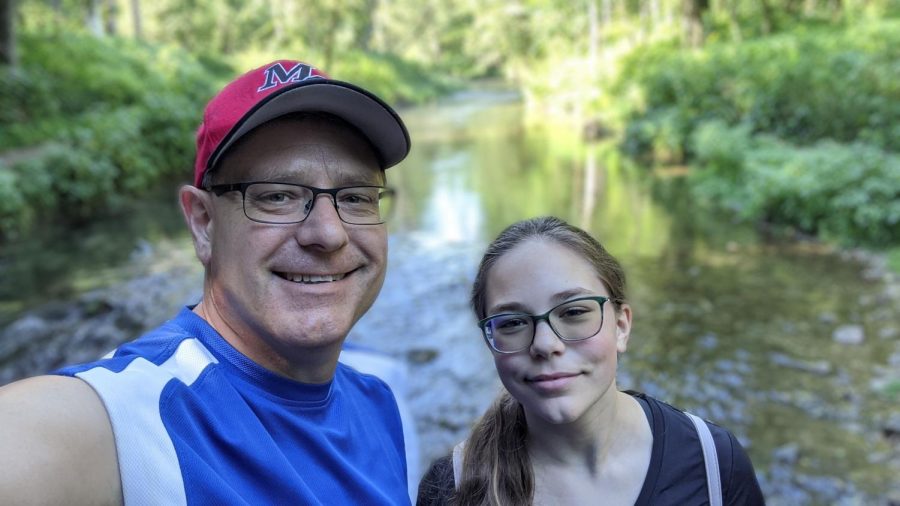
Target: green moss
{"x":893,"y":259}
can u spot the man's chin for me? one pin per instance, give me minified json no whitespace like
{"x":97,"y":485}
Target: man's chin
{"x":318,"y":330}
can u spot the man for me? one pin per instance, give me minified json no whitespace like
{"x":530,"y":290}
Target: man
{"x":241,"y":399}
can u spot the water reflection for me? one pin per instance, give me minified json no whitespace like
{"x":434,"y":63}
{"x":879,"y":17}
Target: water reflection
{"x":731,"y":326}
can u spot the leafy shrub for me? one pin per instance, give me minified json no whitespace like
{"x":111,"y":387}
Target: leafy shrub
{"x":104,"y":119}
{"x":394,"y":80}
{"x":82,"y":71}
{"x":12,"y":203}
{"x":848,"y":193}
{"x":804,"y":87}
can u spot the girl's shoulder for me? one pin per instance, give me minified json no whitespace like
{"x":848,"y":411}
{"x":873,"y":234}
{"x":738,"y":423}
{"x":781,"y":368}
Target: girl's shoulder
{"x":678,"y":458}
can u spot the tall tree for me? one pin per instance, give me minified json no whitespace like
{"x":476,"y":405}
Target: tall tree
{"x":768,"y":16}
{"x":734,"y":24}
{"x":693,"y":21}
{"x":111,"y":17}
{"x":136,"y":19}
{"x":94,"y":17}
{"x":8,"y":54}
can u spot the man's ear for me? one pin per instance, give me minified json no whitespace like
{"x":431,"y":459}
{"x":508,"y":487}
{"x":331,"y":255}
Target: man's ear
{"x":623,"y":327}
{"x":196,"y":205}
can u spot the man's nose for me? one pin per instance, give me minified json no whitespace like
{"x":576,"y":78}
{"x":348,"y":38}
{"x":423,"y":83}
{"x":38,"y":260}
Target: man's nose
{"x":323,"y":227}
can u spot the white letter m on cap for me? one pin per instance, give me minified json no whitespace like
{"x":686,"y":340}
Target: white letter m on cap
{"x":277,"y":75}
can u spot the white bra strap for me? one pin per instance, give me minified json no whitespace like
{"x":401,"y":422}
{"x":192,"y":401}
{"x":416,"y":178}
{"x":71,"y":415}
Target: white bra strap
{"x":457,"y":462}
{"x":711,"y":459}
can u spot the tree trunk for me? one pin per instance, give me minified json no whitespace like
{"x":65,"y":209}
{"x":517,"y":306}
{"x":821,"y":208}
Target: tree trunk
{"x":94,"y":20}
{"x":111,"y":17}
{"x":768,"y":17}
{"x":56,"y":16}
{"x":8,"y":53}
{"x":734,"y":23}
{"x":277,"y":12}
{"x":136,"y":19}
{"x":330,"y":39}
{"x":593,"y":39}
{"x":365,"y":35}
{"x":654,"y":11}
{"x":838,"y":9}
{"x":693,"y":21}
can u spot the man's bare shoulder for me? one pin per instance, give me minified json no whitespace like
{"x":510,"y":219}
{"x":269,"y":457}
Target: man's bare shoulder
{"x":56,"y":444}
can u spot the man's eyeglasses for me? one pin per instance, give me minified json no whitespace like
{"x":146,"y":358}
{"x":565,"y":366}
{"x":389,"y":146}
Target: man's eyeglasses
{"x":573,"y":320}
{"x":286,"y":203}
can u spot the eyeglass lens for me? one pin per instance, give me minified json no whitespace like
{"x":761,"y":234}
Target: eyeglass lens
{"x":572,"y":321}
{"x":285,"y":203}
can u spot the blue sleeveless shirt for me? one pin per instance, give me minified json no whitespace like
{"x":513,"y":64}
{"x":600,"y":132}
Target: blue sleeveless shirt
{"x":197,"y":422}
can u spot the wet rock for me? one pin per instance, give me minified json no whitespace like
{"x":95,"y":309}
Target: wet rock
{"x":866,"y":300}
{"x":892,"y":291}
{"x":828,"y":318}
{"x":708,"y":341}
{"x":819,"y":367}
{"x":421,"y":355}
{"x":62,"y":333}
{"x":56,"y":311}
{"x":889,"y":332}
{"x":94,"y":305}
{"x":787,"y":454}
{"x":849,"y":334}
{"x":19,"y":332}
{"x":894,"y":359}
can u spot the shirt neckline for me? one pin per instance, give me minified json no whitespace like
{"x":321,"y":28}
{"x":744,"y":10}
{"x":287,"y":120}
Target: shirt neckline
{"x":256,"y":376}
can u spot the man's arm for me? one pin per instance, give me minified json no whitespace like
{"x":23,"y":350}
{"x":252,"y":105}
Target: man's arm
{"x":56,"y":444}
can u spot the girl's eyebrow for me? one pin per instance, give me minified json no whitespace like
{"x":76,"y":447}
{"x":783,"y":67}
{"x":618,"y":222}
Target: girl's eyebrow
{"x":565,"y":295}
{"x":507,"y":307}
{"x":556,"y":299}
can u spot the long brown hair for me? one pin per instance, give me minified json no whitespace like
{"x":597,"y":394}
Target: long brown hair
{"x":496,"y":467}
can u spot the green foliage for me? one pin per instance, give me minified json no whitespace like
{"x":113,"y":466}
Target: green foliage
{"x":891,"y":390}
{"x":798,"y":129}
{"x":11,"y":201}
{"x":659,"y":136}
{"x":848,"y":193}
{"x":804,"y":87}
{"x":65,"y":74}
{"x":394,"y":80}
{"x":893,"y":259}
{"x":92,"y":121}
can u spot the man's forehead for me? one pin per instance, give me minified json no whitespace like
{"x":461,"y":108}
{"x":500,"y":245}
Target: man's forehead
{"x":312,"y":159}
{"x":290,"y":148}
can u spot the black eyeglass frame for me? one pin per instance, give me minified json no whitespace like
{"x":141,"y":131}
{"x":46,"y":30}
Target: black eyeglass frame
{"x":482,"y":324}
{"x":220,"y":189}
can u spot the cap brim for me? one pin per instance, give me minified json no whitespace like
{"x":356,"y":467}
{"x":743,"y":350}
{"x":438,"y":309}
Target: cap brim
{"x":376,"y":120}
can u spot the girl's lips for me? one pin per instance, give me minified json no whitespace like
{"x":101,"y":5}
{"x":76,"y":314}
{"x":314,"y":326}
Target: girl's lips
{"x":551,"y":376}
{"x":551,"y":383}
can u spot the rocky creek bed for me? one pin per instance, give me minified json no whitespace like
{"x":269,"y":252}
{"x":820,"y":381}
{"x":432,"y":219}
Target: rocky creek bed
{"x":422,"y":319}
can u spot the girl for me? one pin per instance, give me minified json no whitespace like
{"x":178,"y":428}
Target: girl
{"x":551,"y":306}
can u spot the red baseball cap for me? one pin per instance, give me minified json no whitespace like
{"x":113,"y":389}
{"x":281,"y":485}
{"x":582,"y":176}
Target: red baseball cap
{"x":287,"y":86}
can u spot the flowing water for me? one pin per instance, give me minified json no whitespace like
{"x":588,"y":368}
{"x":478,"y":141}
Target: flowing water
{"x":744,"y":329}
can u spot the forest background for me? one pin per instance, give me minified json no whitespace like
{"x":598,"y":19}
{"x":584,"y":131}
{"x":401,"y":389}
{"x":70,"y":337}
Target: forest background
{"x":690,"y":116}
{"x":787,"y":112}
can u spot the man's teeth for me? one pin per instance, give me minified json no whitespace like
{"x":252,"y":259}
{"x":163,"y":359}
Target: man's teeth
{"x":309,"y":278}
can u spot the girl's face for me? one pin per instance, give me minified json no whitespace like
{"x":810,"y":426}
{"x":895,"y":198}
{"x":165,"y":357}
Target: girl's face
{"x":556,"y":381}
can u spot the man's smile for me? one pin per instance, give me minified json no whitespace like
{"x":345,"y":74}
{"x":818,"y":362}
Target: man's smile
{"x":311,"y":278}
